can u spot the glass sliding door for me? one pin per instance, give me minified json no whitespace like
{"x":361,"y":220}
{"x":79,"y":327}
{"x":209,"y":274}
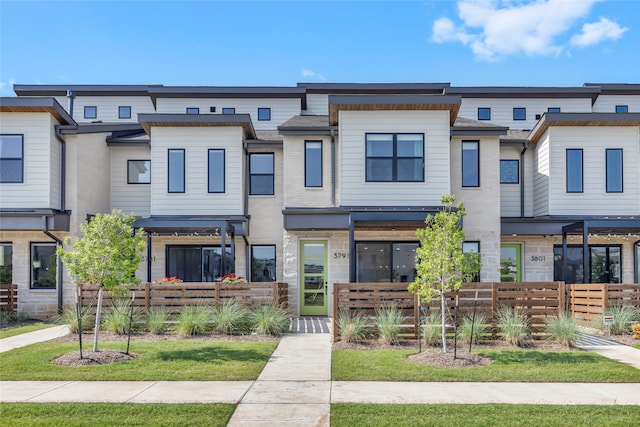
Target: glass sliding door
{"x":605,"y":264}
{"x":198,"y":263}
{"x":385,"y":262}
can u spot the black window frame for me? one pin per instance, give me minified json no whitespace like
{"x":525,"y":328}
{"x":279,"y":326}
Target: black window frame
{"x":306,"y":164}
{"x":484,"y":113}
{"x":262,"y":110}
{"x":606,"y":157}
{"x":6,"y":268}
{"x":517,"y":111}
{"x":128,"y":169}
{"x":228,"y":110}
{"x":476,"y":275}
{"x":394,"y":157}
{"x":553,"y":110}
{"x":557,"y":252}
{"x":272,"y":175}
{"x":517,"y":181}
{"x":192,"y":110}
{"x":566,"y":157}
{"x":254,"y":277}
{"x":122,"y":108}
{"x":622,"y":108}
{"x":13,"y":159}
{"x":88,"y":108}
{"x":229,"y":265}
{"x":184,"y":170}
{"x":390,"y":244}
{"x":477,"y":144}
{"x":32,"y":276}
{"x":209,"y":170}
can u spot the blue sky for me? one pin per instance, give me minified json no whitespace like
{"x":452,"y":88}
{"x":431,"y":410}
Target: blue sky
{"x":467,"y":42}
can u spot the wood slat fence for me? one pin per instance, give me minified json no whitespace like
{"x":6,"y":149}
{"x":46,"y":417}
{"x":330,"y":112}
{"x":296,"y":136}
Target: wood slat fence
{"x":589,"y":301}
{"x":177,"y":295}
{"x":9,"y":298}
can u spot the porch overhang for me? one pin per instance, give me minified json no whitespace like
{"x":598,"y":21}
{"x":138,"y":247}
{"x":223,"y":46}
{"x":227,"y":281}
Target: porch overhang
{"x":184,"y":225}
{"x":34,"y":220}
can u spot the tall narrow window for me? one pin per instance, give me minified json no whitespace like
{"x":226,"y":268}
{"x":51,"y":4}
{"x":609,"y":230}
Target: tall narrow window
{"x":43,"y":265}
{"x":263,"y":263}
{"x":216,"y":171}
{"x":313,"y":163}
{"x":614,"y":170}
{"x":138,"y":171}
{"x":519,"y":113}
{"x":176,"y":171}
{"x":11,"y":158}
{"x":622,"y":108}
{"x":261,"y":174}
{"x":228,"y":110}
{"x":6,"y":263}
{"x":395,"y":157}
{"x":124,"y":112}
{"x":472,"y":247}
{"x":484,"y":113}
{"x":509,"y":171}
{"x":574,"y":170}
{"x":470,"y":164}
{"x":264,"y":114}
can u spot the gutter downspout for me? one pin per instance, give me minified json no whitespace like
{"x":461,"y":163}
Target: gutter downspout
{"x":71,"y":96}
{"x":333,"y":167}
{"x":525,"y":145}
{"x":45,"y":230}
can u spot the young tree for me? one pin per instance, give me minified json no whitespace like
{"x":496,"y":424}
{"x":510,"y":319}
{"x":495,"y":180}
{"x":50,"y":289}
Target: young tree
{"x":440,"y":263}
{"x":108,"y":254}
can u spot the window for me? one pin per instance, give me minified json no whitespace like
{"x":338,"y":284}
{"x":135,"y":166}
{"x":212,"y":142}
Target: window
{"x":193,"y":110}
{"x":510,"y":263}
{"x":604,"y":264}
{"x":484,"y":113}
{"x":553,"y":110}
{"x":395,"y":157}
{"x":574,"y":170}
{"x":385,"y":262}
{"x":11,"y":158}
{"x":264,"y":113}
{"x":313,"y":163}
{"x":90,"y":112}
{"x":470,"y":164}
{"x":614,"y":170}
{"x":198,"y":263}
{"x":637,"y":260}
{"x":622,"y":108}
{"x":472,"y":247}
{"x":6,"y":263}
{"x":176,"y":171}
{"x":124,"y":112}
{"x":228,"y":110}
{"x":261,"y":174}
{"x":43,"y":265}
{"x":216,"y":171}
{"x":263,"y":263}
{"x":509,"y":171}
{"x":519,"y":113}
{"x":138,"y":171}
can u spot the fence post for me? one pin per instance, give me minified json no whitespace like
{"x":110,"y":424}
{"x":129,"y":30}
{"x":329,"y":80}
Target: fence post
{"x":334,"y":313}
{"x":416,"y":315}
{"x":561,"y":297}
{"x":147,"y":296}
{"x":494,"y":309}
{"x":216,"y":291}
{"x":274,"y":293}
{"x":605,"y":298}
{"x":13,"y":304}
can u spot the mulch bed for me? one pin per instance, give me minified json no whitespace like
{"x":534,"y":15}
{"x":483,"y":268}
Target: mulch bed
{"x":93,"y":358}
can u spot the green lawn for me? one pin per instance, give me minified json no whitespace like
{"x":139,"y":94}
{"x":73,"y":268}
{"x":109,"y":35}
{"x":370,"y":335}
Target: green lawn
{"x":507,"y":365}
{"x":11,"y":331}
{"x":355,"y":415}
{"x":637,"y":346}
{"x":158,"y":360}
{"x":115,"y":414}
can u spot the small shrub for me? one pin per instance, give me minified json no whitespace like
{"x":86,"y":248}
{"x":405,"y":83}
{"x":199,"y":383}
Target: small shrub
{"x":352,"y":326}
{"x":194,"y":320}
{"x":6,"y":317}
{"x":431,"y":328}
{"x":69,"y":317}
{"x":389,"y":324}
{"x":562,"y":328}
{"x":157,"y":318}
{"x":231,"y":318}
{"x":116,"y":319}
{"x":623,"y":317}
{"x":513,"y":324}
{"x":271,"y":319}
{"x":636,"y":331}
{"x":480,"y":327}
{"x":22,"y":316}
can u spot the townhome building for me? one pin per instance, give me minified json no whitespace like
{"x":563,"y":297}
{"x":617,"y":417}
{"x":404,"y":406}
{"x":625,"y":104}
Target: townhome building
{"x":321,"y":183}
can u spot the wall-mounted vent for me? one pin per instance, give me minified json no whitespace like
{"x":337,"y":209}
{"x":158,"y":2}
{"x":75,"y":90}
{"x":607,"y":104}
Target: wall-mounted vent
{"x":538,"y":116}
{"x":212,"y":109}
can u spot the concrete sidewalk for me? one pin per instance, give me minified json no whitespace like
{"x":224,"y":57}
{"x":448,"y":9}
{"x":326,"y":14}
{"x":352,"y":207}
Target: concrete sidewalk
{"x":29,"y":338}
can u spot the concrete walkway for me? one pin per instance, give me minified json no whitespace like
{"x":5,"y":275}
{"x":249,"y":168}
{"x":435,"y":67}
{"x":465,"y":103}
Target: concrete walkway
{"x":29,"y":338}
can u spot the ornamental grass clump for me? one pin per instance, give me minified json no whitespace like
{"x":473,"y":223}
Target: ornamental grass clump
{"x":118,"y":318}
{"x":271,"y":319}
{"x":231,"y":318}
{"x":157,"y":320}
{"x":389,"y":324}
{"x":353,"y":326}
{"x":69,"y":317}
{"x":431,"y":328}
{"x":473,"y":330}
{"x":623,"y":317}
{"x":513,"y":325}
{"x":194,"y":320}
{"x":563,"y":329}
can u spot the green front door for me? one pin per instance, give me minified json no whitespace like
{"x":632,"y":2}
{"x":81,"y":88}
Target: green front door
{"x":313,"y":278}
{"x":510,"y":263}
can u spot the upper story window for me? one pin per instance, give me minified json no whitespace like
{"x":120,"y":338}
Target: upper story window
{"x":264,"y":113}
{"x":124,"y":112}
{"x":484,"y":113}
{"x":90,"y":112}
{"x":574,"y":170}
{"x":509,"y":171}
{"x":138,"y":171}
{"x":11,"y":158}
{"x":176,"y":170}
{"x":193,"y":110}
{"x":313,"y":163}
{"x":395,"y":157}
{"x":43,"y":265}
{"x":216,"y":171}
{"x":261,"y":174}
{"x":519,"y":113}
{"x":470,"y":163}
{"x":553,"y":110}
{"x":228,"y":110}
{"x":614,"y":170}
{"x":6,"y":263}
{"x":263,"y":263}
{"x":622,"y":108}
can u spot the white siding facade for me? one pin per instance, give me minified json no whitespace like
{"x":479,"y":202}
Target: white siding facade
{"x":107,"y":107}
{"x":607,"y":103}
{"x":129,"y":197}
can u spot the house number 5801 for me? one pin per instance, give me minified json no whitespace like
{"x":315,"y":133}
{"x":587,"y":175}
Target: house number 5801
{"x":339,"y":255}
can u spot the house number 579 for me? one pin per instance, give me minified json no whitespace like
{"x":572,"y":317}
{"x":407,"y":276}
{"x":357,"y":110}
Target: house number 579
{"x":339,"y":255}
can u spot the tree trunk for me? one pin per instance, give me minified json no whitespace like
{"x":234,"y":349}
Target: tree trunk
{"x":444,"y":326}
{"x":98,"y":312}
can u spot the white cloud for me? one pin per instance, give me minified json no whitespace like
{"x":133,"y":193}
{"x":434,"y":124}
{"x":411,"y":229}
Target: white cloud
{"x":596,"y":32}
{"x":7,"y":87}
{"x":493,"y":29}
{"x":308,"y":74}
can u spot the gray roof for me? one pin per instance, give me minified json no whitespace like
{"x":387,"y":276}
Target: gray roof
{"x":307,"y":125}
{"x":617,"y":88}
{"x":267,"y":135}
{"x":353,"y":88}
{"x":515,"y":135}
{"x":524,"y":92}
{"x":102,"y":90}
{"x":204,"y":120}
{"x":34,"y":105}
{"x":463,"y":126}
{"x":583,"y":119}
